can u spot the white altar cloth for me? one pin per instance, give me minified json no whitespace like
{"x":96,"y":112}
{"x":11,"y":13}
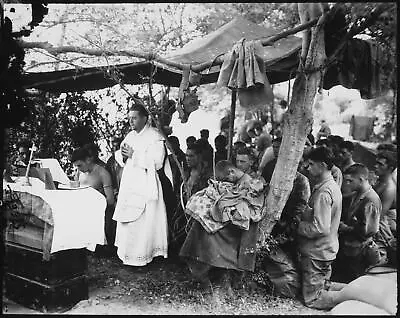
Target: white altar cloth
{"x":78,"y":215}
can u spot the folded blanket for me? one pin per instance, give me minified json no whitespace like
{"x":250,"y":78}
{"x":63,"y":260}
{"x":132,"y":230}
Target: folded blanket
{"x":222,"y":203}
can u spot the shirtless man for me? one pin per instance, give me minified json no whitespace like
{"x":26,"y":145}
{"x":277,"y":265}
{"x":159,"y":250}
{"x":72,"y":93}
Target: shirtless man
{"x":96,"y":176}
{"x":93,"y":150}
{"x":393,"y":149}
{"x":92,"y":174}
{"x":386,"y":187}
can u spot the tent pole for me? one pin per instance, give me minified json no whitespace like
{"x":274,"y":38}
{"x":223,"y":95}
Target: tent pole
{"x":271,"y":109}
{"x":231,"y":122}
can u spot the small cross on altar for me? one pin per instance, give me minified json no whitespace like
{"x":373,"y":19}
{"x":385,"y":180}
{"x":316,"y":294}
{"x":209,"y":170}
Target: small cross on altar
{"x":32,"y":149}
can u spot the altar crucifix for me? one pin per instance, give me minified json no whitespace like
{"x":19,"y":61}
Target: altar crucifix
{"x":32,"y":149}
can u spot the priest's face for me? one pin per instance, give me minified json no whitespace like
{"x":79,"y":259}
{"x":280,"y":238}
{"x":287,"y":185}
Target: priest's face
{"x":136,"y":121}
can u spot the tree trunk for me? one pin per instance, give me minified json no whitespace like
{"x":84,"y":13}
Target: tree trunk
{"x":297,"y":123}
{"x":272,"y":109}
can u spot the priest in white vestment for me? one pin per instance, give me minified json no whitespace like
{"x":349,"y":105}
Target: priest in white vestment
{"x":140,"y":211}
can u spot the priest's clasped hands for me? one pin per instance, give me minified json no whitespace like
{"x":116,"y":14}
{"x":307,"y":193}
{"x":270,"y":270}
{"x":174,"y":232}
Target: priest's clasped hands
{"x":126,"y":151}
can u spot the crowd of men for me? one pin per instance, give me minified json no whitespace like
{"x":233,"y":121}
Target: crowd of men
{"x":339,"y":220}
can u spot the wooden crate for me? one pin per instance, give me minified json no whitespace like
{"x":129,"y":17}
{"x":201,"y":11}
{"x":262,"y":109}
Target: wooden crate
{"x":32,"y":232}
{"x":45,"y":297}
{"x":29,"y":235}
{"x":28,"y":262}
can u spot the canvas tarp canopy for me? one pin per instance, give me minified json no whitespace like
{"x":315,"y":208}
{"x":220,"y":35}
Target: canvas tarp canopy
{"x":281,"y":60}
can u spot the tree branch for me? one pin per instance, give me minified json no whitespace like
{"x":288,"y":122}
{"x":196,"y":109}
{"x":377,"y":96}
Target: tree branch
{"x":99,"y":52}
{"x":181,"y":24}
{"x":152,"y":56}
{"x":219,"y":60}
{"x":56,"y":61}
{"x":50,"y":24}
{"x":162,"y":21}
{"x":297,"y":123}
{"x":266,"y":42}
{"x":373,"y":16}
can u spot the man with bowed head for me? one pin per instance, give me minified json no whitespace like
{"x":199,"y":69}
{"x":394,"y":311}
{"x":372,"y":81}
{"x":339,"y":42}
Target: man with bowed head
{"x":358,"y":226}
{"x":318,"y":232}
{"x":96,"y":176}
{"x":140,"y":211}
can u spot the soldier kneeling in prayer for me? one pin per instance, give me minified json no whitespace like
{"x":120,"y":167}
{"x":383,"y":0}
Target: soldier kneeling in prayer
{"x":360,"y":222}
{"x":318,"y":233}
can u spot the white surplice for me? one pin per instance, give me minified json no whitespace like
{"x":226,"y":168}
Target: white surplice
{"x":140,"y":211}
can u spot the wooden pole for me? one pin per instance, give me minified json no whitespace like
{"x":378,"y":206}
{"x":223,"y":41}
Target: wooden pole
{"x":271,"y":109}
{"x":296,"y":126}
{"x":231,"y":123}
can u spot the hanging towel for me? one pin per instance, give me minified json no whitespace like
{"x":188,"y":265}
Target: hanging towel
{"x":243,"y":69}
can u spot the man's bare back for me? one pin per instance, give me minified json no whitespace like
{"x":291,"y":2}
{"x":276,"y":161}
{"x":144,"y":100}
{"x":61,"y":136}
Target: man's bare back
{"x":97,"y":178}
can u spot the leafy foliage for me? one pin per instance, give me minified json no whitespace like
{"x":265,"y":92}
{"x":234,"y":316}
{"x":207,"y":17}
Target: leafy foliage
{"x":14,"y":103}
{"x":158,"y":27}
{"x":383,"y":31}
{"x":58,"y":124}
{"x":12,"y":98}
{"x":281,"y":16}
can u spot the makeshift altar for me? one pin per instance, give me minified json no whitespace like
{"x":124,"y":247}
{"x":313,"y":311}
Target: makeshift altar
{"x":47,"y":235}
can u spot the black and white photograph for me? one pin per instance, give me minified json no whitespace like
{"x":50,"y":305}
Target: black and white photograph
{"x":198,"y":158}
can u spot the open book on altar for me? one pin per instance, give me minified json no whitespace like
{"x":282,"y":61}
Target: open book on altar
{"x":44,"y":175}
{"x":57,"y":173}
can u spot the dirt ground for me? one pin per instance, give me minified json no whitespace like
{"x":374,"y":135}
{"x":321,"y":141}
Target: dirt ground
{"x":166,"y":287}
